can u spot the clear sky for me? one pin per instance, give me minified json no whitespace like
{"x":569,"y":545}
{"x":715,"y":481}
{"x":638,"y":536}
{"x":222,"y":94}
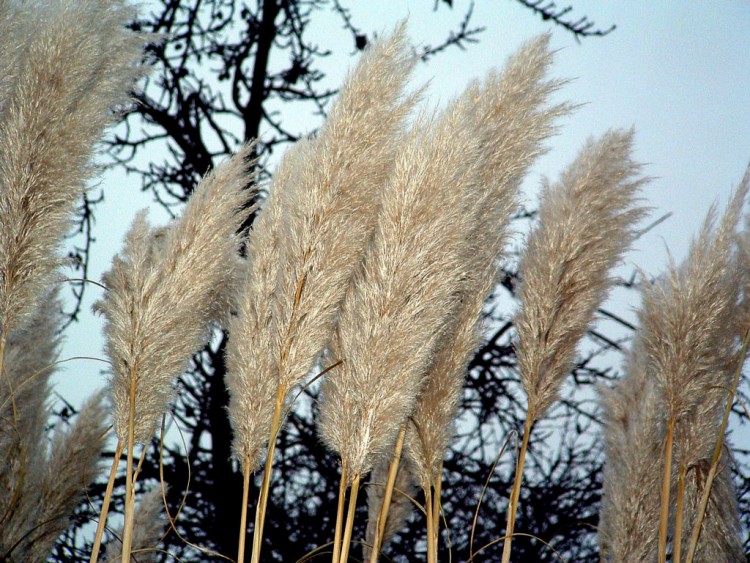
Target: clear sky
{"x":678,"y":72}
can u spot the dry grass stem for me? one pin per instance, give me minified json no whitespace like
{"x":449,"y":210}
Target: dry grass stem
{"x":243,"y":515}
{"x":381,"y":523}
{"x":349,"y":526}
{"x":102,"y":522}
{"x":338,"y":532}
{"x":149,"y":524}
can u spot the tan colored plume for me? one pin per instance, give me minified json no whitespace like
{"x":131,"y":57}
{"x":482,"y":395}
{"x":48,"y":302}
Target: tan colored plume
{"x":401,"y":505}
{"x":684,"y":356}
{"x":512,"y":116}
{"x":158,"y":311}
{"x":396,"y":309}
{"x":74,"y":62}
{"x":586,"y":222}
{"x":320,"y":214}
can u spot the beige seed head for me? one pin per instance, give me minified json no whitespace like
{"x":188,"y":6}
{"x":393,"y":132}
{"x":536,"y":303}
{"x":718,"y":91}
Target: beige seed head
{"x":586,"y":222}
{"x":157,"y":311}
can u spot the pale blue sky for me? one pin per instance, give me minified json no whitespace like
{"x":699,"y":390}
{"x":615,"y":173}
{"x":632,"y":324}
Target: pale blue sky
{"x":676,"y":71}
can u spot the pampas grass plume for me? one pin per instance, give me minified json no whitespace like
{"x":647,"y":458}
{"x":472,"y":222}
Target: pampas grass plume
{"x":157,"y":310}
{"x":633,"y":439}
{"x":511,"y":115}
{"x":57,"y":484}
{"x":319,"y":217}
{"x":685,"y":353}
{"x":76,"y":61}
{"x":395,"y":309}
{"x":586,"y":223}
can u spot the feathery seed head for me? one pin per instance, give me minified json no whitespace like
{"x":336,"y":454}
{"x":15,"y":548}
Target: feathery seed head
{"x":320,"y":215}
{"x":396,"y":308}
{"x":73,"y":63}
{"x":586,"y":223}
{"x":157,"y":311}
{"x":511,"y":115}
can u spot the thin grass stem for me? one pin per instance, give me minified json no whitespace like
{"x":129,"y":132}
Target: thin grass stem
{"x":243,"y":514}
{"x":677,"y":541}
{"x":127,"y":534}
{"x":513,"y":504}
{"x":339,"y":515}
{"x":665,"y":486}
{"x":260,"y":509}
{"x":481,"y":495}
{"x":350,"y":520}
{"x":3,"y":341}
{"x":388,"y":495}
{"x":713,"y":471}
{"x":437,"y":504}
{"x":105,"y":505}
{"x":429,"y":512}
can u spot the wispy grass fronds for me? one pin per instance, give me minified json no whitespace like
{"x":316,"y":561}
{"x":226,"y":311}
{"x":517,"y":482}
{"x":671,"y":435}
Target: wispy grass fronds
{"x":393,"y":314}
{"x":686,"y":317}
{"x":401,"y":506}
{"x":24,"y":387}
{"x":157,"y":310}
{"x":586,"y":223}
{"x":13,"y":24}
{"x":332,"y":208}
{"x":58,"y":484}
{"x":328,"y":214}
{"x":686,"y":321}
{"x":721,"y":537}
{"x":76,"y":62}
{"x":150,"y":523}
{"x":669,"y":406}
{"x":512,"y":116}
{"x":251,"y":376}
{"x":328,"y":208}
{"x":634,"y":425}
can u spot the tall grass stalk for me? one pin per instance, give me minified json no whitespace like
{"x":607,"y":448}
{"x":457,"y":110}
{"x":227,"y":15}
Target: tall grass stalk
{"x":341,"y":506}
{"x":387,"y":495}
{"x":437,"y":506}
{"x":349,"y":526}
{"x":243,"y":515}
{"x":679,"y":510}
{"x":102,"y":523}
{"x":717,"y":454}
{"x":260,"y":510}
{"x":431,"y":535}
{"x":516,"y":490}
{"x":127,"y":535}
{"x":666,"y":486}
